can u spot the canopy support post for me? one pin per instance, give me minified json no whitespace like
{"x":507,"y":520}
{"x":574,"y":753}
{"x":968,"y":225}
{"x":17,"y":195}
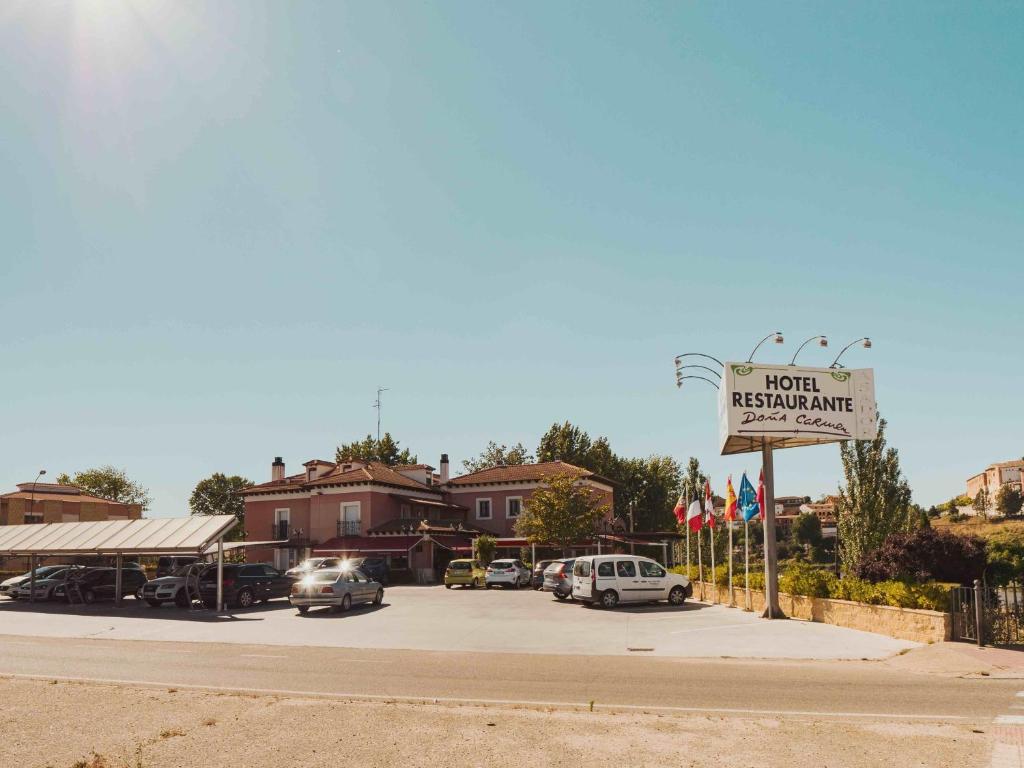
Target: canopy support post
{"x":220,"y":574}
{"x":118,"y":577}
{"x":31,"y":578}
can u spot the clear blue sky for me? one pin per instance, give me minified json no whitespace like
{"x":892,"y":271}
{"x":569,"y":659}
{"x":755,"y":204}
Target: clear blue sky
{"x":224,"y":224}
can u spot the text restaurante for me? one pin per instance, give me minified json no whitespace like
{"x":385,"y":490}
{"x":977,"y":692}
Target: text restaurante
{"x":792,"y":384}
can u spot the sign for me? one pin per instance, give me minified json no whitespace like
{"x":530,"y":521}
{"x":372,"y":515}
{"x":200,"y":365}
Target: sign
{"x":785,"y":406}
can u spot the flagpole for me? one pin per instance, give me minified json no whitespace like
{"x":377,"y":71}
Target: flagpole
{"x":714,"y":579}
{"x":687,"y":549}
{"x":732,"y":602}
{"x":700,"y":566}
{"x":746,"y":564}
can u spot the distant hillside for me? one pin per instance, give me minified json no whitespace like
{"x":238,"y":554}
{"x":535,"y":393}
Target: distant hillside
{"x":977,"y":527}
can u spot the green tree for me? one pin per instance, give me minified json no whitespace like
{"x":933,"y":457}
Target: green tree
{"x":650,"y":486}
{"x":1008,"y":501}
{"x":220,"y":494}
{"x":484,"y":548}
{"x":875,"y":501}
{"x":567,"y":442}
{"x":982,"y":503}
{"x":109,"y":482}
{"x":693,"y":480}
{"x":561,"y":512}
{"x":495,"y":455}
{"x":386,"y":451}
{"x":806,"y":532}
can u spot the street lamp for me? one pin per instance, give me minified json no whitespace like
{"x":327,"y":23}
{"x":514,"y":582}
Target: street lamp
{"x":778,"y":340}
{"x":32,"y":496}
{"x":822,"y":343}
{"x":866,"y":345}
{"x":32,"y":558}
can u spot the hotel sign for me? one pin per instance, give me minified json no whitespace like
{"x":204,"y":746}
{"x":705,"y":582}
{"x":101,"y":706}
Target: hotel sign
{"x":786,"y":406}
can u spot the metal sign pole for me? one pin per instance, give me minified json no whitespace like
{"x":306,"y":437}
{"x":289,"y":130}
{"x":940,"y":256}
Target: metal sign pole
{"x":771,"y":562}
{"x":220,"y":574}
{"x":118,"y":578}
{"x":746,"y":566}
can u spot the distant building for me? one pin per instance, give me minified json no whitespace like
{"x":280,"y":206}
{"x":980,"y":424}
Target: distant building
{"x":51,"y":503}
{"x":994,"y":477}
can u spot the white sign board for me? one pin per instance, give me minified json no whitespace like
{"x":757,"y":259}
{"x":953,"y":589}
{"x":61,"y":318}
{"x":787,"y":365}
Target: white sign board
{"x":786,"y":406}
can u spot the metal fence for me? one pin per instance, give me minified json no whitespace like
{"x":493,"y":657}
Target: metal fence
{"x":989,"y":615}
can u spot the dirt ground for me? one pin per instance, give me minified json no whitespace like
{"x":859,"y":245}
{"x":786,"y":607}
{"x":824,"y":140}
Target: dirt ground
{"x":76,"y":725}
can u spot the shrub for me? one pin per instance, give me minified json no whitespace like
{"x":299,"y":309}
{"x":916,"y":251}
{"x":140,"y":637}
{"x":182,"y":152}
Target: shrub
{"x":1005,"y":556}
{"x":925,"y":555}
{"x":801,"y":578}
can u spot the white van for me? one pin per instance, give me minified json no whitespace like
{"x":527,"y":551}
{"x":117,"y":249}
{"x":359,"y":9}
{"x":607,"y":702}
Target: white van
{"x":607,"y":580}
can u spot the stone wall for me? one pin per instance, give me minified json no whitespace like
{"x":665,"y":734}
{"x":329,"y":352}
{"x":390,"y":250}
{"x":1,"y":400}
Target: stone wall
{"x":914,"y":624}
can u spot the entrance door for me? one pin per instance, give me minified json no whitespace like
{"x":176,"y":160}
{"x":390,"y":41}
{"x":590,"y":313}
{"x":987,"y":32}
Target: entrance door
{"x":350,"y":519}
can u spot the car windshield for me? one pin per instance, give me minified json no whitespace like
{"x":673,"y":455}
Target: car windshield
{"x":324,"y":576}
{"x":181,"y":570}
{"x":457,"y":566}
{"x":501,"y":564}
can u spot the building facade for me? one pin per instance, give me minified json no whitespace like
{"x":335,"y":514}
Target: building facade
{"x":416,"y":518}
{"x":52,"y":503}
{"x":994,"y":477}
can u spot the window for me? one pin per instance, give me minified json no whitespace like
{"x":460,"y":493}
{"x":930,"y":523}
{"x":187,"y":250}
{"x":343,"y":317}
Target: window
{"x":406,"y":512}
{"x":513,"y":506}
{"x":483,"y":509}
{"x":606,"y":569}
{"x":651,"y":570}
{"x":581,"y":568}
{"x":33,"y":517}
{"x":349,"y":519}
{"x":626,"y":568}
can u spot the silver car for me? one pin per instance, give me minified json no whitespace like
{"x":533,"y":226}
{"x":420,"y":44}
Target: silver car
{"x":44,"y":587}
{"x":339,"y":590}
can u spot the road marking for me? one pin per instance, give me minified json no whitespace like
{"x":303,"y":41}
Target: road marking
{"x":477,"y":701}
{"x":1010,"y":720}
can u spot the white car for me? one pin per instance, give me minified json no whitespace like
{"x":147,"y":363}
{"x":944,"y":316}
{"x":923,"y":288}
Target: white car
{"x":44,"y":586}
{"x":607,"y":580}
{"x":507,"y":573}
{"x":9,"y":586}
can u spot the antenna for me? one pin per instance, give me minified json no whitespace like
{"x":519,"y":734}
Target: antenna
{"x":376,"y":405}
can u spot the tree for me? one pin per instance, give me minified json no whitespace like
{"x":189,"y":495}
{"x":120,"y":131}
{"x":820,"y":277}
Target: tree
{"x":982,"y":503}
{"x":693,"y":480}
{"x":562,"y":512}
{"x":484,"y":548}
{"x":1008,"y":501}
{"x":924,"y":555}
{"x":386,"y":451}
{"x":875,"y":502}
{"x":806,"y":531}
{"x":1005,"y":555}
{"x":220,"y":494}
{"x":649,"y":487}
{"x":495,"y":455}
{"x":109,"y":482}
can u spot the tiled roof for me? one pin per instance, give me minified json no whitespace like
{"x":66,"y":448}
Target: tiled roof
{"x":1009,"y":464}
{"x":74,"y":497}
{"x":373,"y":472}
{"x":523,"y":473}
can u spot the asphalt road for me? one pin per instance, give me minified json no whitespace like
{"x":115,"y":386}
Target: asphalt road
{"x":857,"y":690}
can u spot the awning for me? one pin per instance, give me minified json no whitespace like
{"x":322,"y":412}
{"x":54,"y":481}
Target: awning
{"x":191,"y":535}
{"x":230,"y":545}
{"x":454,"y":543}
{"x":367,"y":544}
{"x":427,"y":502}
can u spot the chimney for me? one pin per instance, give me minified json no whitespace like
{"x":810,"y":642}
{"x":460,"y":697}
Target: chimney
{"x":444,"y":468}
{"x":277,"y":469}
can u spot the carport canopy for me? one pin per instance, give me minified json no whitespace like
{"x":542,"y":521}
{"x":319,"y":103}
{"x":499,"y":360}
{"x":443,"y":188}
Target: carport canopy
{"x":191,"y":535}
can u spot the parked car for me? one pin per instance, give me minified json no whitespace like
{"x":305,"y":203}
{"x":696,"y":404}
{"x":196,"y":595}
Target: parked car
{"x":508,"y":573}
{"x":537,"y":578}
{"x":468,"y":573}
{"x":244,"y":584}
{"x":44,"y":586}
{"x":167,"y":589}
{"x":558,"y":578}
{"x":92,"y":584}
{"x":374,"y":567}
{"x":311,"y":564}
{"x":8,"y":586}
{"x":607,"y":580}
{"x":165,"y":566}
{"x":338,"y":589}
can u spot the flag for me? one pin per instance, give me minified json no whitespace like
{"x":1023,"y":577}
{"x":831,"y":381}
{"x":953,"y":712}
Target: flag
{"x":730,"y":501}
{"x":709,"y":504}
{"x":760,"y":495}
{"x":694,"y":518}
{"x":679,"y":510}
{"x":747,"y":500}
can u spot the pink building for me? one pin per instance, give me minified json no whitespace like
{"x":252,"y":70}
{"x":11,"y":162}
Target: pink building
{"x":417,"y":518}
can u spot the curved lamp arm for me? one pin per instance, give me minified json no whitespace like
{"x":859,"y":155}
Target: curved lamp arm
{"x":679,"y":381}
{"x":778,"y":340}
{"x":698,"y":354}
{"x":824,"y":343}
{"x":706,"y":368}
{"x":867,"y":345}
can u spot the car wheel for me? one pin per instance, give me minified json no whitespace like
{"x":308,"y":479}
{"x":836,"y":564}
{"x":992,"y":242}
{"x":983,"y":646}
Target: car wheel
{"x":346,"y":602}
{"x":447,"y":586}
{"x":476,"y":583}
{"x":677,"y":596}
{"x":138,"y":594}
{"x":181,"y":598}
{"x":155,"y":603}
{"x":88,"y":597}
{"x":560,"y":596}
{"x":379,"y":597}
{"x":609,"y":598}
{"x":488,"y":585}
{"x":245,"y":598}
{"x":303,"y":609}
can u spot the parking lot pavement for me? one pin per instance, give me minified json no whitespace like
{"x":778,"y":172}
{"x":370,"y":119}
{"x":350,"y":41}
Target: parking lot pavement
{"x":436,"y":619}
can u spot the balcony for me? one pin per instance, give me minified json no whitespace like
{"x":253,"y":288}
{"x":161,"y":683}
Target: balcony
{"x":348,"y":528}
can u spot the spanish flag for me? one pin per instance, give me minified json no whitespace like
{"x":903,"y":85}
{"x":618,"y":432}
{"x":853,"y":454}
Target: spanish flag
{"x":730,"y":501}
